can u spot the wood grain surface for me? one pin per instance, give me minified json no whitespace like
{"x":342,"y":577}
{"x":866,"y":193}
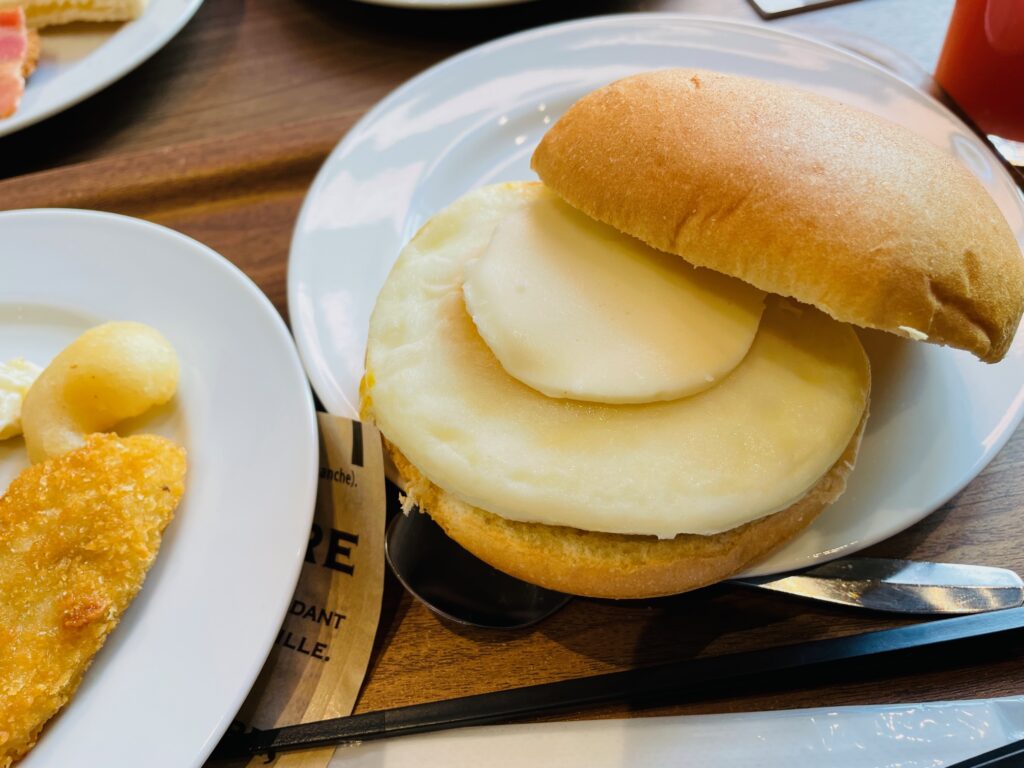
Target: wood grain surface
{"x":219,"y":136}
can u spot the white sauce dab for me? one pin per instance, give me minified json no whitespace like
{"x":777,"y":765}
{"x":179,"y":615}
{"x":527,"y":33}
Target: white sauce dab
{"x":913,"y":333}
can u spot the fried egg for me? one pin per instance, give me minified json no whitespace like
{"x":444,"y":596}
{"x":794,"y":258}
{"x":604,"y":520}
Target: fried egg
{"x":748,"y":446}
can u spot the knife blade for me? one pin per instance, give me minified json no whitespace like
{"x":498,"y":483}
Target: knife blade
{"x":901,"y":586}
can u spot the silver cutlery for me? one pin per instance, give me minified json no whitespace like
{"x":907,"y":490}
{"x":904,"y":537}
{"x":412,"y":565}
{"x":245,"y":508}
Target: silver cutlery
{"x":453,"y":583}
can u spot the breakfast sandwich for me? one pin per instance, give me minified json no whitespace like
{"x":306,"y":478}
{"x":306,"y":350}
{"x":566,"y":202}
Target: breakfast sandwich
{"x":641,"y":375}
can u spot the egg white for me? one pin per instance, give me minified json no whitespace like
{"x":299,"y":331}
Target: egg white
{"x":749,"y":446}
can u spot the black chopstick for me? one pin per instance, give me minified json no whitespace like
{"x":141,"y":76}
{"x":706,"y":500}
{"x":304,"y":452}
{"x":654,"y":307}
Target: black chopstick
{"x":634,"y":687}
{"x":1006,"y":756}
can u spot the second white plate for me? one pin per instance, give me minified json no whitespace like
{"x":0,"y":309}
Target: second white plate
{"x":175,"y":670}
{"x":938,"y":416}
{"x":77,"y":60}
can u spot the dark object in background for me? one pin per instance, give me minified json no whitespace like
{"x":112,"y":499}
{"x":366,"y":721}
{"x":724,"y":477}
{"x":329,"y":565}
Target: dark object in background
{"x":773,"y":9}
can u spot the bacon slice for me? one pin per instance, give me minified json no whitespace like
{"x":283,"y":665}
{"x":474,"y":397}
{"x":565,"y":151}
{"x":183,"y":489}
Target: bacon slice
{"x":14,"y":53}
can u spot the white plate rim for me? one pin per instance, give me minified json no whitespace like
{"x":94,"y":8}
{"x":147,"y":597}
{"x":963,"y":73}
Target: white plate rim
{"x":149,"y":45}
{"x":323,"y":387}
{"x":306,"y":444}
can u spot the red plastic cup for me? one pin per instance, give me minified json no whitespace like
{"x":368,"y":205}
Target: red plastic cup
{"x":982,"y":67}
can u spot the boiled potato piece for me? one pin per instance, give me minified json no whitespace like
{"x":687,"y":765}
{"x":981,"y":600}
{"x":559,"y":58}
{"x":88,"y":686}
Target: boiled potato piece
{"x":110,"y":373}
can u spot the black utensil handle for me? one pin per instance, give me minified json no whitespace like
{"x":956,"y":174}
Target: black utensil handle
{"x":633,"y":686}
{"x":1007,"y":756}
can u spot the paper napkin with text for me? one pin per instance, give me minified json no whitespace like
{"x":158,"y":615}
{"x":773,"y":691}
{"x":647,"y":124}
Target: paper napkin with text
{"x":322,"y":650}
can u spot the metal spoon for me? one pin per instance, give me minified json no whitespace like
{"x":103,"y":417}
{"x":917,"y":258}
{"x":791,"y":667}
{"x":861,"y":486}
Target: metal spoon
{"x":453,"y":583}
{"x":456,"y":585}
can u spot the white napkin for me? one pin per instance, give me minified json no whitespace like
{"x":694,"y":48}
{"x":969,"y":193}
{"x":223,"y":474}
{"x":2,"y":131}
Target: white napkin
{"x":894,"y":736}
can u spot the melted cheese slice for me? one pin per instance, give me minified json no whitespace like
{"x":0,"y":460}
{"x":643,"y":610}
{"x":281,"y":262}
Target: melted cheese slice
{"x":749,"y":446}
{"x":575,"y":309}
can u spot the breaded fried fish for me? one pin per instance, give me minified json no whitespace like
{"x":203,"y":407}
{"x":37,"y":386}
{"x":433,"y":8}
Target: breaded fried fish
{"x":77,"y":535}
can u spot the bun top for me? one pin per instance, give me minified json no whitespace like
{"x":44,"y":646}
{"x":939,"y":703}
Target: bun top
{"x":798,"y":195}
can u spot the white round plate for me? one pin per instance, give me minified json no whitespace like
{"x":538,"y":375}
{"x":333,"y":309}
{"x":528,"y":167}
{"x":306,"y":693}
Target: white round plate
{"x":937,"y":415}
{"x":77,"y":60}
{"x":175,"y":670}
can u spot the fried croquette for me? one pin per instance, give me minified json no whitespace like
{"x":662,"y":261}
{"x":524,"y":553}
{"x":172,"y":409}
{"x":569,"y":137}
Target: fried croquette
{"x":77,"y":535}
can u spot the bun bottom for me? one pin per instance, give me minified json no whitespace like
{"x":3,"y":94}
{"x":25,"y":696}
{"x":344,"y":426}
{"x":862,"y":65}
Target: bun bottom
{"x":609,"y":565}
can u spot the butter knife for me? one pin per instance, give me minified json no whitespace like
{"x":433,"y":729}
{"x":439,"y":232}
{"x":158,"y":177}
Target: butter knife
{"x":901,"y":586}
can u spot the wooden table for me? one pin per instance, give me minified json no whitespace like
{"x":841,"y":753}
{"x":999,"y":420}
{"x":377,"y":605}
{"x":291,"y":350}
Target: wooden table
{"x":220,"y":134}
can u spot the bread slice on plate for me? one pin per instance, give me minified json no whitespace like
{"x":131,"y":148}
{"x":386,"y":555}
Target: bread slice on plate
{"x":45,"y":13}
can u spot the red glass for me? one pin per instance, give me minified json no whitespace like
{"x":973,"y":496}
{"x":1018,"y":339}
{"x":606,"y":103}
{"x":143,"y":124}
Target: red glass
{"x":982,"y":64}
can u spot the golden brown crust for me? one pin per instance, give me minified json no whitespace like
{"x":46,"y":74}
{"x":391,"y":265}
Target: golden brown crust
{"x":77,"y":534}
{"x":798,"y":195}
{"x":46,"y":14}
{"x":32,"y":55}
{"x":614,"y":565}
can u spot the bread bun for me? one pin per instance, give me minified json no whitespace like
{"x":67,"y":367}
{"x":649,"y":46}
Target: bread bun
{"x":798,"y":195}
{"x":616,"y":565}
